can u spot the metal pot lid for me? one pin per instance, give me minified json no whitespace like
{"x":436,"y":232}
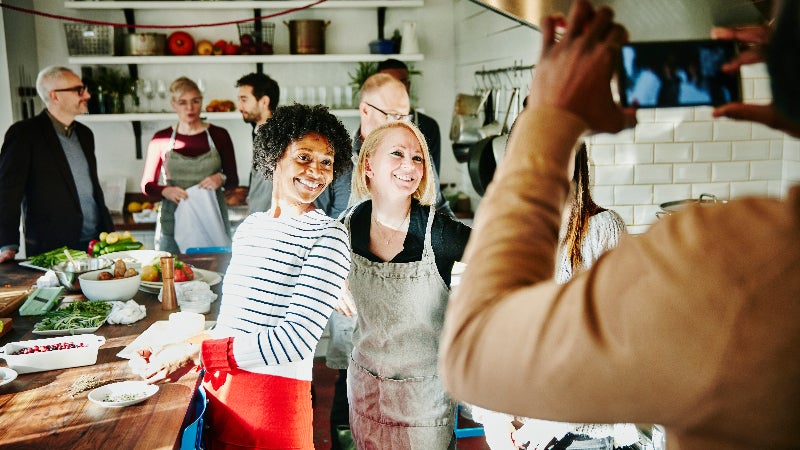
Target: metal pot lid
{"x":677,"y":205}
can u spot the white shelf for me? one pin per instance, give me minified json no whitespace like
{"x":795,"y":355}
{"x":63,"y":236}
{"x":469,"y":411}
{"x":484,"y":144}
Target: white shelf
{"x":241,"y":59}
{"x":167,"y":116}
{"x":231,"y":5}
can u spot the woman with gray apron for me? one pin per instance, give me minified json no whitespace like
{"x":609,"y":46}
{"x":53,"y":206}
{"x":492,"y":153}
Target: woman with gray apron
{"x":190,"y":153}
{"x":403,"y":253}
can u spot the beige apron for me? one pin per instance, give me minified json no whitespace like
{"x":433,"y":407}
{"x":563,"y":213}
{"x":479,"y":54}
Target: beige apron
{"x":396,"y":398}
{"x":184,"y":172}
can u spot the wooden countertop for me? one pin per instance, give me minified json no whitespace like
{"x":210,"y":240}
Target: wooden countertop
{"x":35,"y":413}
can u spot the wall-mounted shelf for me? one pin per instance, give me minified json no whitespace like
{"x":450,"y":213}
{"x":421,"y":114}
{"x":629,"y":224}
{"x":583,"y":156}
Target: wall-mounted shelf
{"x":240,"y":59}
{"x":167,"y":116}
{"x":232,"y":5}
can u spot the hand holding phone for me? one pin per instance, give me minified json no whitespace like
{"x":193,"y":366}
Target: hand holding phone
{"x":678,"y":74}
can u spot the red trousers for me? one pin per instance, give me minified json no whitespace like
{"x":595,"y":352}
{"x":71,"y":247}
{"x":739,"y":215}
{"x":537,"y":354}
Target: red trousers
{"x":256,"y":411}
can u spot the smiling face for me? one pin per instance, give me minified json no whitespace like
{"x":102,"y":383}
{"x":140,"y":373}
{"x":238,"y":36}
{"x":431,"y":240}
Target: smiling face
{"x":304,"y":171}
{"x":397,"y":165}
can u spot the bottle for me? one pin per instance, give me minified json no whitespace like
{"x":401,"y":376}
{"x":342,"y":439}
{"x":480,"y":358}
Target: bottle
{"x":169,"y":300}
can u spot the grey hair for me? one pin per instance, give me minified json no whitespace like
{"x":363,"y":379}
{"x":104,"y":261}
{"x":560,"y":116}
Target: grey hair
{"x":45,"y":78}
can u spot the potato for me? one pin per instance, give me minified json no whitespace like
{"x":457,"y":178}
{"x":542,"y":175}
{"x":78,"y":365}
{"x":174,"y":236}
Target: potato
{"x":119,"y":268}
{"x":105,"y":276}
{"x":131,"y":272}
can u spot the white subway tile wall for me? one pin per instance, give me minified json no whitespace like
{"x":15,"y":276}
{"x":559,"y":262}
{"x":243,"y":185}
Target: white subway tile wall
{"x":678,"y":153}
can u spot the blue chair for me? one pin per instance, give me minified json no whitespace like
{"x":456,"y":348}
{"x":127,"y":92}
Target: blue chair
{"x":192,"y":438}
{"x":192,"y":250}
{"x":466,"y":432}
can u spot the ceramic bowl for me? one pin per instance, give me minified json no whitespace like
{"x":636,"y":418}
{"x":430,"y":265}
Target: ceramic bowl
{"x":118,"y":289}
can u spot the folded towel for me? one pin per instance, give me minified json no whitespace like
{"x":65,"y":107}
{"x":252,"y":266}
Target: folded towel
{"x":198,"y":221}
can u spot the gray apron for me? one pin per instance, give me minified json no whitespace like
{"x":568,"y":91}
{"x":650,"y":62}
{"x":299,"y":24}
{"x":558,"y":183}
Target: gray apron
{"x":184,"y":172}
{"x":397,"y":400}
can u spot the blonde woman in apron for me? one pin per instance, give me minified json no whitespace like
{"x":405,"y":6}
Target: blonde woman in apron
{"x":190,"y":153}
{"x":401,"y":250}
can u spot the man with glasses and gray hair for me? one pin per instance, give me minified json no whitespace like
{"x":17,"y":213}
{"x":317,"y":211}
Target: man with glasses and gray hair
{"x":48,"y":173}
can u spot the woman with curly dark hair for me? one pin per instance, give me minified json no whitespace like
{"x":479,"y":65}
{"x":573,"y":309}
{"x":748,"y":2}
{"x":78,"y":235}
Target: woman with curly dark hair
{"x":286,"y":273}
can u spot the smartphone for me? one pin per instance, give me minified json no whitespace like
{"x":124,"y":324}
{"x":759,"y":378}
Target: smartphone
{"x":677,"y":73}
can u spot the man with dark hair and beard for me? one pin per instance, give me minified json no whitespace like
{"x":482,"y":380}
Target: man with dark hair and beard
{"x":257,"y":99}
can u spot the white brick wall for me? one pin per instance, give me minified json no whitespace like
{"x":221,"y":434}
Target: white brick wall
{"x":680,"y":153}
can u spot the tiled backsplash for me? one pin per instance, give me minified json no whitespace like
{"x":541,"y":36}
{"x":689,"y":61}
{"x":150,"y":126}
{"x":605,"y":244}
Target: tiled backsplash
{"x":679,"y":153}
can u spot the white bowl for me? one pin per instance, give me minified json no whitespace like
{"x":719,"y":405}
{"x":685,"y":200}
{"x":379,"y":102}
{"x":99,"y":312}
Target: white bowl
{"x":118,"y":289}
{"x":123,"y":393}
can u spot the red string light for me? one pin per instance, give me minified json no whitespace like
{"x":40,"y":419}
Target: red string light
{"x":125,"y":25}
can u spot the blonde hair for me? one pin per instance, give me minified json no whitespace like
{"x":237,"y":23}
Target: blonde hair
{"x":426,"y":191}
{"x":180,"y":86}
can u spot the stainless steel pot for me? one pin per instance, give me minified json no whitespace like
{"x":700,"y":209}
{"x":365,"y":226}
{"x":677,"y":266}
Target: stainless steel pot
{"x":669,"y":208}
{"x":145,"y":44}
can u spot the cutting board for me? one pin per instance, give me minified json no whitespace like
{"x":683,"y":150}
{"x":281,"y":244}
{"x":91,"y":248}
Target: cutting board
{"x":11,"y":298}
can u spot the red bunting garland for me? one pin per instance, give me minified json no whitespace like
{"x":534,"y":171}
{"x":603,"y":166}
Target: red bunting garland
{"x":125,"y":25}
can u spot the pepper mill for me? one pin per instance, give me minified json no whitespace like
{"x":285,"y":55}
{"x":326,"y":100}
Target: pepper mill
{"x":168,"y":298}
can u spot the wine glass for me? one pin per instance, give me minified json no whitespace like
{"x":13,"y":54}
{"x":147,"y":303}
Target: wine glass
{"x":147,"y":91}
{"x":161,"y":89}
{"x":201,"y":85}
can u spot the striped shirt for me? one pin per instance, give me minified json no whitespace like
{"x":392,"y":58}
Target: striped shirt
{"x":280,"y":288}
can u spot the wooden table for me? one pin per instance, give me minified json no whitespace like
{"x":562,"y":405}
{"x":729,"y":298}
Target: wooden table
{"x":35,"y":413}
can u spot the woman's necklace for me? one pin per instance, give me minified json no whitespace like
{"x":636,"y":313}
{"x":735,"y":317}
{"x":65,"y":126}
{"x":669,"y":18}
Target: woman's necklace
{"x":392,"y":230}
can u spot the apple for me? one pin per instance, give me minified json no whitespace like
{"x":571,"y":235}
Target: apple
{"x":246,"y":40}
{"x":219,"y":47}
{"x":266,"y":48}
{"x":180,"y":43}
{"x":205,"y":47}
{"x":231,"y":49}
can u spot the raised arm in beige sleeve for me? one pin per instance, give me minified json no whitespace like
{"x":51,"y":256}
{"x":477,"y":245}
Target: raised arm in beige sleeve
{"x":619,"y":342}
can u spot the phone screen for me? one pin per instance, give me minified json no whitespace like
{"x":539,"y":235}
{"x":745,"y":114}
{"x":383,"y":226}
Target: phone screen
{"x":678,"y":73}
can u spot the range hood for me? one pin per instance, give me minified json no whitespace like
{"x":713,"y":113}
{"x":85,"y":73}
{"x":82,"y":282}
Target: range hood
{"x":648,"y":20}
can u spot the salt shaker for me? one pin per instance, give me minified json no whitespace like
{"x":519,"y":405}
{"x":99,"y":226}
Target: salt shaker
{"x":168,"y":298}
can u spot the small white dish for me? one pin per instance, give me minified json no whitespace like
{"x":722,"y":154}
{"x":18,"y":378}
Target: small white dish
{"x":7,"y":375}
{"x":123,"y":393}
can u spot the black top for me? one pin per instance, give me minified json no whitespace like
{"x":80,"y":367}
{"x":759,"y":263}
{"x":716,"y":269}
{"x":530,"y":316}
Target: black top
{"x":448,"y":237}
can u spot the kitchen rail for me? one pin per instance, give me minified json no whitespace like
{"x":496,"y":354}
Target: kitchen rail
{"x":36,"y":412}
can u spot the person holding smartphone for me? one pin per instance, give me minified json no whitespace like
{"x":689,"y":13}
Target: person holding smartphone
{"x":780,"y":54}
{"x":692,"y":325}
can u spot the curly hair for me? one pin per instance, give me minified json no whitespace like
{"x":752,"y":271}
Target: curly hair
{"x":292,"y":123}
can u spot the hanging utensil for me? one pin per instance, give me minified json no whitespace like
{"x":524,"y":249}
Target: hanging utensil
{"x":495,"y":128}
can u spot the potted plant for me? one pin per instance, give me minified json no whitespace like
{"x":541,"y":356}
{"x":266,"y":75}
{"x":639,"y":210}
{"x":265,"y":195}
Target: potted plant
{"x":367,"y":69}
{"x":110,"y":89}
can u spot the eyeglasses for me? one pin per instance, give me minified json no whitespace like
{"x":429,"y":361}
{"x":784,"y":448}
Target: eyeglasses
{"x":392,"y":116}
{"x":77,"y":89}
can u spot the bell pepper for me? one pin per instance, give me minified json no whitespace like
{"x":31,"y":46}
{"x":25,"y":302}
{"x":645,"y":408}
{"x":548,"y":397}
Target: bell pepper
{"x":90,"y":250}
